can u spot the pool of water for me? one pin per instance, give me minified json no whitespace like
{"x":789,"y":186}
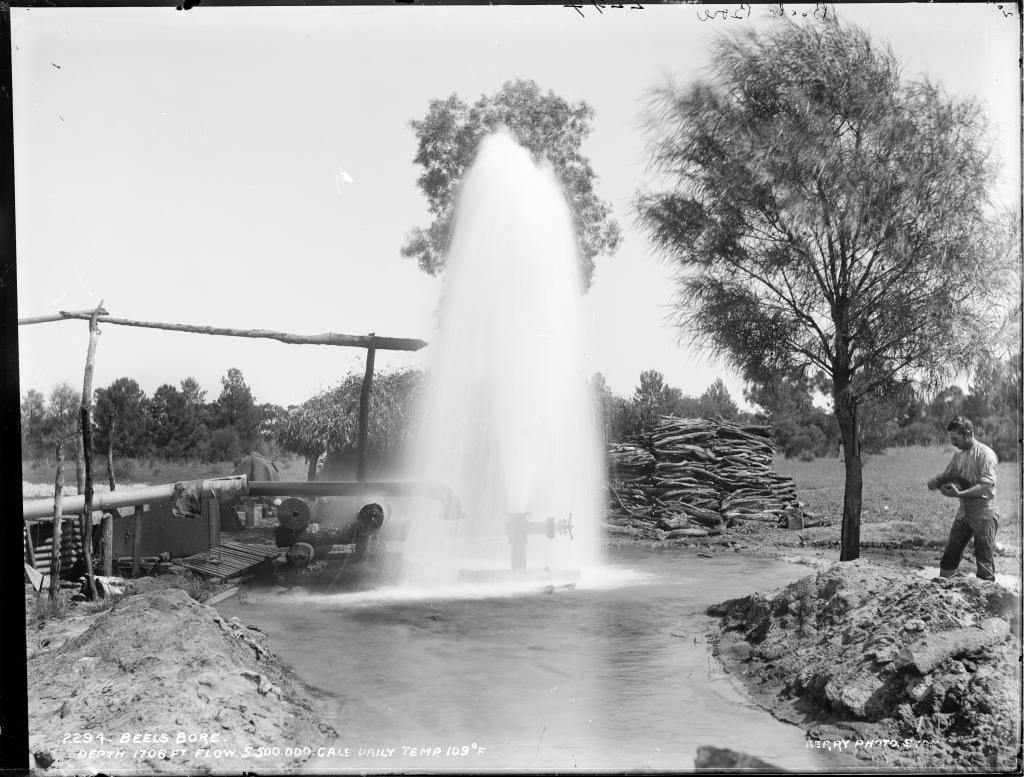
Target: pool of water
{"x":614,"y":674}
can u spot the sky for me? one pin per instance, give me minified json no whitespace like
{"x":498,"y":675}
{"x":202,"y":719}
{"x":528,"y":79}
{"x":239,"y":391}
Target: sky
{"x":252,"y":168}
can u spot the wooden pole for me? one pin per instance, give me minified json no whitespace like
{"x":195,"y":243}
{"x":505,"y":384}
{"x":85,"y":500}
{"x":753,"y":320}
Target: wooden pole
{"x":62,"y":316}
{"x":79,"y":464}
{"x":364,"y":412}
{"x":110,"y":456}
{"x":30,"y":551}
{"x":86,"y":415}
{"x":107,"y":524}
{"x":58,"y":498}
{"x":327,"y":338}
{"x":137,"y":541}
{"x":107,"y":544}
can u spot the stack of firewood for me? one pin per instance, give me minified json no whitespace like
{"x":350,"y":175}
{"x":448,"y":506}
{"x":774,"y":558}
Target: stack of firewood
{"x":696,"y":477}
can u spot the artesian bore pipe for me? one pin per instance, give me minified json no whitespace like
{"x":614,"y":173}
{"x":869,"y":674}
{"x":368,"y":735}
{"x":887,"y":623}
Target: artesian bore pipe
{"x":371,"y":518}
{"x":41,"y":509}
{"x":436,"y":491}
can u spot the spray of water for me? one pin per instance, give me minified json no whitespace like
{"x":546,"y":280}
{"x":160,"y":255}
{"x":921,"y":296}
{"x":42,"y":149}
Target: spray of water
{"x":508,"y":418}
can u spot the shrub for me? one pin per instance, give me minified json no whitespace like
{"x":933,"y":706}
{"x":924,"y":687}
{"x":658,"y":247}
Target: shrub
{"x":225,"y":445}
{"x":805,"y":440}
{"x":199,"y":588}
{"x":47,"y":608}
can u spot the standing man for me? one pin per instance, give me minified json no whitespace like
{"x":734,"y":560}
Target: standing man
{"x":973,"y":466}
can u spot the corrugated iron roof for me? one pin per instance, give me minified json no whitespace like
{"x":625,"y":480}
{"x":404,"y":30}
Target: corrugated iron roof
{"x":229,"y":559}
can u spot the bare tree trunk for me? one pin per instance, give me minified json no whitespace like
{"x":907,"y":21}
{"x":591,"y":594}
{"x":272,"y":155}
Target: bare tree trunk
{"x":311,"y":469}
{"x":849,"y":427}
{"x":58,"y":499}
{"x":364,"y":413}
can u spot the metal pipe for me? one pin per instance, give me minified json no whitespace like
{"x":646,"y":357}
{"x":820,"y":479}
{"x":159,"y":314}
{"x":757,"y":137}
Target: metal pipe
{"x":35,"y":509}
{"x":436,"y":491}
{"x":41,"y":509}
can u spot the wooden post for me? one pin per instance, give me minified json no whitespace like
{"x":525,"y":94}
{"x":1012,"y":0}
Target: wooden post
{"x":107,"y":544}
{"x":137,"y":541}
{"x":79,"y":464}
{"x":110,"y":456}
{"x":30,"y":552}
{"x":58,"y":498}
{"x":364,"y":411}
{"x":80,"y":488}
{"x":86,"y":415}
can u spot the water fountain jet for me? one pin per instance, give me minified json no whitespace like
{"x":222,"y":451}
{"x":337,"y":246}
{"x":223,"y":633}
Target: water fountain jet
{"x":508,"y":419}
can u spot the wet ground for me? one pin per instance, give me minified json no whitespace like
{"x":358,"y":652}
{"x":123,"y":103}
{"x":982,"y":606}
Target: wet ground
{"x":614,"y":674}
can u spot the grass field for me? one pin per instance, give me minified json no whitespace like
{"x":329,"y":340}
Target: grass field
{"x":896,"y":501}
{"x":897,"y":505}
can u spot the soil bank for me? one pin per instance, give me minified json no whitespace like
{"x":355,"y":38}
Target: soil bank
{"x":885,"y":668}
{"x":170,"y":685}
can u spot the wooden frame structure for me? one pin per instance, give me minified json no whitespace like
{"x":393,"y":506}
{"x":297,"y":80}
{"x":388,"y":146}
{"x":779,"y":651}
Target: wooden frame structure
{"x":98,"y":315}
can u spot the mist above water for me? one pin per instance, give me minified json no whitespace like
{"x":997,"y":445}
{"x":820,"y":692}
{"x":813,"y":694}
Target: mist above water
{"x":508,"y":420}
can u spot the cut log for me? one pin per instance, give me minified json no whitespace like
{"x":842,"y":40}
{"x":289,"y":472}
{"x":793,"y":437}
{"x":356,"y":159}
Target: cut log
{"x":924,"y":656}
{"x":697,"y":471}
{"x":622,"y":531}
{"x":687,"y":532}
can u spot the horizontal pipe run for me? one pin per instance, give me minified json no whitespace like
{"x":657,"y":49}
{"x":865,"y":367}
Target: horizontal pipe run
{"x":42,"y":509}
{"x":35,"y":509}
{"x":314,"y":488}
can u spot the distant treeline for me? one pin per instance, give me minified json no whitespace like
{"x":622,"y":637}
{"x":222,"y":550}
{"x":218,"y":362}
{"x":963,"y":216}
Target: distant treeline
{"x":178,"y":422}
{"x":802,"y":428}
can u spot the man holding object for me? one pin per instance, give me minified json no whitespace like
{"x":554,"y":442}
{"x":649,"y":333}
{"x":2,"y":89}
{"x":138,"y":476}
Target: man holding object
{"x":971,"y":478}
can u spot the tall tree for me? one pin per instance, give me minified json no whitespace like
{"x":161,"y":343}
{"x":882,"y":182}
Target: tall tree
{"x":717,"y":402}
{"x":175,"y":423}
{"x":650,"y":399}
{"x":824,"y":212}
{"x":235,"y":408}
{"x":545,"y":124}
{"x":192,"y":393}
{"x":61,"y":422}
{"x":33,"y":424}
{"x":271,"y":418}
{"x":125,"y":406}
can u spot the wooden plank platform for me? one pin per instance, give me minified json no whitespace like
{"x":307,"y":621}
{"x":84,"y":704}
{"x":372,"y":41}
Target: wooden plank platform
{"x":229,"y":559}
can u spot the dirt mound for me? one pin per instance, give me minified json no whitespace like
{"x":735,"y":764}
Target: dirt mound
{"x":172,"y":687}
{"x":884,"y":665}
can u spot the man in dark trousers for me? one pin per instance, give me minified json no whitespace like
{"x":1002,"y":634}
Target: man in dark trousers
{"x":971,"y":478}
